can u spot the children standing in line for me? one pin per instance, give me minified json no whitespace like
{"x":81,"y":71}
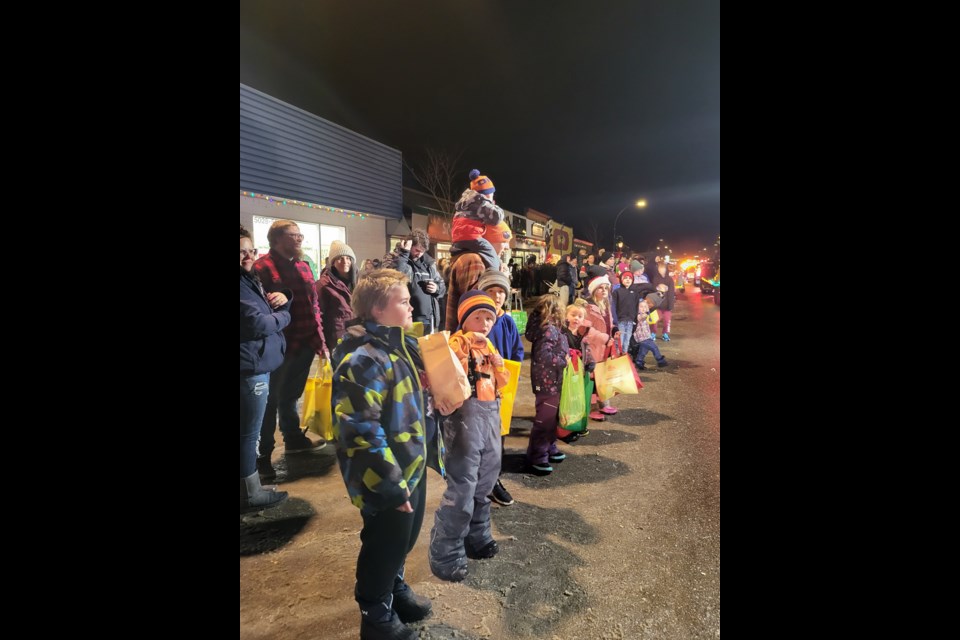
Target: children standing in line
{"x":506,"y":339}
{"x":461,"y":526}
{"x":550,"y":355}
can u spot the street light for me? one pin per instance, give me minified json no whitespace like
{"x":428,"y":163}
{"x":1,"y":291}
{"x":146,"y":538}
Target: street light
{"x":640,"y":204}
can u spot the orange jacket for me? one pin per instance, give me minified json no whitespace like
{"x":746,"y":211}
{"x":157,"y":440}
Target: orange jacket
{"x":476,"y":346}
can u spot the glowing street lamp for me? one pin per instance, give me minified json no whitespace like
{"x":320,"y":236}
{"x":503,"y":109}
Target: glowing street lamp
{"x":640,"y":204}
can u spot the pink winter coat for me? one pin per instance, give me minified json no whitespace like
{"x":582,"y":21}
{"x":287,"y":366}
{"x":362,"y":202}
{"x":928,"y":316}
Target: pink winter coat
{"x":601,"y":326}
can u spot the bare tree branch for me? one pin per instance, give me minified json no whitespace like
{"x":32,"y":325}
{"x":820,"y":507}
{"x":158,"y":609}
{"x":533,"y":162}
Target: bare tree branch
{"x":593,"y":234}
{"x":438,"y":173}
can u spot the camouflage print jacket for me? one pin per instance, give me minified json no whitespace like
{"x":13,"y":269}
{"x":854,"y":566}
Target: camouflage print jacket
{"x":382,"y":416}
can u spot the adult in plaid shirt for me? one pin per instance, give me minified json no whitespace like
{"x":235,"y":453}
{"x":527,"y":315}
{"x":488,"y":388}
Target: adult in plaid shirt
{"x":284,"y":268}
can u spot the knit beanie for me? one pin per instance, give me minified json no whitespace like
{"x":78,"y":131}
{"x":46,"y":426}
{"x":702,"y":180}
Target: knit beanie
{"x":481,"y":184}
{"x":473,"y":300}
{"x":338,"y":249}
{"x":494,"y":278}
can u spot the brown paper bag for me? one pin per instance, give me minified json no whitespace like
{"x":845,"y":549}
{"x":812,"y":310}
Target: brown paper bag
{"x":448,"y":381}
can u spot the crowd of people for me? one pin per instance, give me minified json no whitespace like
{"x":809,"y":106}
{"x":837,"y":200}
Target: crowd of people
{"x":388,"y":425}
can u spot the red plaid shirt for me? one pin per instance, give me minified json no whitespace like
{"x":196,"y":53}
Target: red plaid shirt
{"x":306,"y":328}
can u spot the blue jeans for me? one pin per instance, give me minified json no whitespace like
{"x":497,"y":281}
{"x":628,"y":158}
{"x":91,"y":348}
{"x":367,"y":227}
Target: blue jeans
{"x":254,"y":391}
{"x":626,"y":330}
{"x":286,"y":387}
{"x":645,"y":346}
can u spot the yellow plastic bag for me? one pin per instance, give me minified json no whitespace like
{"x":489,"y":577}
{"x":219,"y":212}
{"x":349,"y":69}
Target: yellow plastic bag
{"x":317,"y":414}
{"x":654,"y":317}
{"x":508,"y":395}
{"x":614,"y":376}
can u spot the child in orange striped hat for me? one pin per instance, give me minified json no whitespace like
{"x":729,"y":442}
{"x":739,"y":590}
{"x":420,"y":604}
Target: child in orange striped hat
{"x":471,"y":435}
{"x":478,"y":223}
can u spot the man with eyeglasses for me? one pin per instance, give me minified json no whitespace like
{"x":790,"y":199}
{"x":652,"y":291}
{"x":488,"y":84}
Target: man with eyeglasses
{"x":283,"y":267}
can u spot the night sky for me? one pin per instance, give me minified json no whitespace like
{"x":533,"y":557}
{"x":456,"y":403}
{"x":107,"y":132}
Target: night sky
{"x":575,"y":109}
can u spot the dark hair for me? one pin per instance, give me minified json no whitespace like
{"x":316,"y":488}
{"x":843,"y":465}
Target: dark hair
{"x":419,"y":238}
{"x":244,"y":233}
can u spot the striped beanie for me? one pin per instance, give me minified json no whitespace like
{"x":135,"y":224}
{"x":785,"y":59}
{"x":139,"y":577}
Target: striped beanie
{"x":473,"y":300}
{"x":481,"y":184}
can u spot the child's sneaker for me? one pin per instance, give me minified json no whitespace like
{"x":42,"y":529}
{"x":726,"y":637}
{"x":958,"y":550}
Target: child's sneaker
{"x":596,"y":415}
{"x":639,"y":367}
{"x":558,"y":457}
{"x":500,"y":495}
{"x":610,"y":411}
{"x":666,"y":337}
{"x":653,"y":336}
{"x":663,"y":363}
{"x":542,"y":469}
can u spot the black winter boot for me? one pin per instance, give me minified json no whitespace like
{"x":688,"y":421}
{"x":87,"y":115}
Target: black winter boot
{"x":409,"y":606}
{"x":379,"y":622}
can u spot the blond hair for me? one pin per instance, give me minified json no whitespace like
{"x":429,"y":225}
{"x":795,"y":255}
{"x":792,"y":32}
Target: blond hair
{"x":579,"y":305}
{"x":373,"y":290}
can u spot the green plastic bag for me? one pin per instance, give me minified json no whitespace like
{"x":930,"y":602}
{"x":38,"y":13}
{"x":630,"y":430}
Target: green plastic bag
{"x":573,"y":398}
{"x":520,"y":317}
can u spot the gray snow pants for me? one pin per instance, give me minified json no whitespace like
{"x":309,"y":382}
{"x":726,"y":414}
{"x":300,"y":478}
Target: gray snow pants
{"x":472,"y":438}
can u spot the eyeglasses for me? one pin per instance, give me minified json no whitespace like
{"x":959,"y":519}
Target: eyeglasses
{"x":250,"y":252}
{"x":295,"y":236}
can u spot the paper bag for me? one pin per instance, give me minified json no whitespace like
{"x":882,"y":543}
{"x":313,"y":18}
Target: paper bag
{"x":448,"y":380}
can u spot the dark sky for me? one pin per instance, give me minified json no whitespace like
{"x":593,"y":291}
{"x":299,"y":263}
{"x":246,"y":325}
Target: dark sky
{"x":575,"y":109}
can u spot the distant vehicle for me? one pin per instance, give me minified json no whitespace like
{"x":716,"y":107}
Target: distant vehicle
{"x":710,"y":285}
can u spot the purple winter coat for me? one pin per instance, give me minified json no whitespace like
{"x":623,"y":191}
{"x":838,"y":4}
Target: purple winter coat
{"x":549,"y":357}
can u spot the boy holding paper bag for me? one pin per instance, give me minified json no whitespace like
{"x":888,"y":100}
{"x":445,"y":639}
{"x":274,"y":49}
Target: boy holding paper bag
{"x":472,"y":434}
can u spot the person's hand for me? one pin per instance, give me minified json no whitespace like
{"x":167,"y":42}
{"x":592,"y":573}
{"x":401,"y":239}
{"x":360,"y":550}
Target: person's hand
{"x":406,"y":244}
{"x":496,"y":360}
{"x":405,"y":507}
{"x":276,"y":299}
{"x":431,"y":286}
{"x":446,"y":408}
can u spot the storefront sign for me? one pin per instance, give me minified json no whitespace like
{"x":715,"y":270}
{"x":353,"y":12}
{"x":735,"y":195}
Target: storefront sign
{"x":561,"y":239}
{"x":438,"y":228}
{"x":536,"y":230}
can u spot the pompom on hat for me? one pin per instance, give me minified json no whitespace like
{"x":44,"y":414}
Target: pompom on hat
{"x":481,"y":184}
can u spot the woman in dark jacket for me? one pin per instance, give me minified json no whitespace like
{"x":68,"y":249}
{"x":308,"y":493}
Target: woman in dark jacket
{"x":335,"y":292}
{"x":263,"y":317}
